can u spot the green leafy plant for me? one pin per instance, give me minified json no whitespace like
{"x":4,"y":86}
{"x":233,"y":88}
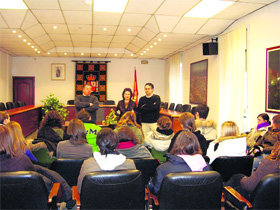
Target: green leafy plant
{"x":52,"y":103}
{"x":111,"y":118}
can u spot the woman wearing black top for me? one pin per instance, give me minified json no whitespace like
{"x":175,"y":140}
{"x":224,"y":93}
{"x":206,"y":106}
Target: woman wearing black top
{"x":126,"y":104}
{"x":188,"y":123}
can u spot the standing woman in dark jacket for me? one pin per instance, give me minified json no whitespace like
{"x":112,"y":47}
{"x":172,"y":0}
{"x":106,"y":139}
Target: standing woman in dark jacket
{"x":126,"y":104}
{"x":185,"y":156}
{"x":187,"y":121}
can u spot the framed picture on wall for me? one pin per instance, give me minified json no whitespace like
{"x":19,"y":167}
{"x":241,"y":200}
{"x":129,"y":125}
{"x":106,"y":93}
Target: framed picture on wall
{"x":58,"y":71}
{"x":272,"y":96}
{"x":198,"y":82}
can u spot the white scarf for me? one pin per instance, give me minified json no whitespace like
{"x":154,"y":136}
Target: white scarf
{"x":109,"y":162}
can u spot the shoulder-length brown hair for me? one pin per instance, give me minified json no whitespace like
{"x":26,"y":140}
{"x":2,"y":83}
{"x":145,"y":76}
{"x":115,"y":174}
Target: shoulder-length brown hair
{"x":77,"y":132}
{"x":186,"y":143}
{"x":276,"y":121}
{"x":3,"y":116}
{"x":107,"y":141}
{"x":19,"y":142}
{"x":127,"y":90}
{"x":187,"y":121}
{"x":275,"y":153}
{"x":125,"y":133}
{"x":83,"y":115}
{"x":129,"y":118}
{"x":52,"y":119}
{"x":164,"y":123}
{"x":6,"y":142}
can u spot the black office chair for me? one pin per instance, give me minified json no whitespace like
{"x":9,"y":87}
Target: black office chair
{"x":186,"y":108}
{"x":171,"y":106}
{"x":69,"y":169}
{"x":165,"y":105}
{"x":70,"y":102}
{"x":27,"y":190}
{"x":191,"y":190}
{"x":20,"y":103}
{"x":9,"y":105}
{"x":179,"y":108}
{"x":2,"y":106}
{"x":109,"y":102}
{"x":265,"y":196}
{"x":15,"y":105}
{"x":111,"y":190}
{"x":228,"y":166}
{"x":147,"y":166}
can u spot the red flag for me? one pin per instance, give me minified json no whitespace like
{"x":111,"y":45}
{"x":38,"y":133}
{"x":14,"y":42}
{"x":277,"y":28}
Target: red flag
{"x":135,"y":89}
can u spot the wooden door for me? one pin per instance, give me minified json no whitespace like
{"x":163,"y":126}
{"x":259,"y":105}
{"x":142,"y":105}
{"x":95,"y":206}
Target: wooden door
{"x":24,"y":89}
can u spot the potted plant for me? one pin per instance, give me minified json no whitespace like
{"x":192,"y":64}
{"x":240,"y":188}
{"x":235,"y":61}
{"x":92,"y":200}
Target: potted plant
{"x":52,"y":103}
{"x":111,"y":118}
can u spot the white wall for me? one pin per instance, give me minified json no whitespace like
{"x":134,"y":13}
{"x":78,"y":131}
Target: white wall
{"x":120,"y":74}
{"x":5,"y":77}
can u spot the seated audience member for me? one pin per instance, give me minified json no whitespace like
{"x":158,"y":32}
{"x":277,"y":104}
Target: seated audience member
{"x":257,"y":132}
{"x":187,"y":121}
{"x":4,"y":118}
{"x":246,"y":185}
{"x":108,"y":159}
{"x":185,"y":156}
{"x":12,"y":159}
{"x":77,"y":146}
{"x":229,"y":144}
{"x":206,"y":127}
{"x":129,"y":144}
{"x":264,"y":145}
{"x":126,"y":104}
{"x":19,"y":141}
{"x":91,"y":128}
{"x":129,"y":119}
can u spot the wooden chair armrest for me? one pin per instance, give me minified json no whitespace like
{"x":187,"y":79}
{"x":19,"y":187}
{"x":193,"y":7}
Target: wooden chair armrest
{"x":236,"y":195}
{"x":55,"y":192}
{"x":151,"y":197}
{"x":76,"y":196}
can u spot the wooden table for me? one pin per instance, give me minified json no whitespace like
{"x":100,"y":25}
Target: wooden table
{"x":174,"y":116}
{"x":28,"y":117}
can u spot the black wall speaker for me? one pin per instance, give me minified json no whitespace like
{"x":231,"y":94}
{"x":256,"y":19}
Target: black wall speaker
{"x":210,"y":48}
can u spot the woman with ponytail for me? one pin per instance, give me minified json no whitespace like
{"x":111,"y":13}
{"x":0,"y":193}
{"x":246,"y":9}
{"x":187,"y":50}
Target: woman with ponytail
{"x":187,"y":122}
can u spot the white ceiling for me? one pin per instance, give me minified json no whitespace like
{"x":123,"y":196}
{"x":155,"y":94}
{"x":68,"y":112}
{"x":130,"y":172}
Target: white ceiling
{"x":80,"y":30}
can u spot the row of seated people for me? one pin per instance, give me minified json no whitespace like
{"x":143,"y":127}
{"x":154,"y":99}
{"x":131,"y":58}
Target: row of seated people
{"x":11,"y":105}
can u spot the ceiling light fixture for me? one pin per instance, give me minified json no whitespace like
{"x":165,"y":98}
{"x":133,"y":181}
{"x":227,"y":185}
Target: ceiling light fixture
{"x":24,"y":40}
{"x":131,"y":54}
{"x":208,"y":8}
{"x":165,"y":35}
{"x":151,"y":46}
{"x":54,"y":27}
{"x":48,"y":53}
{"x":19,"y":36}
{"x":82,"y":53}
{"x":32,"y":46}
{"x":144,"y":52}
{"x":99,"y":54}
{"x":129,"y":30}
{"x":109,"y":5}
{"x":38,"y":52}
{"x":116,"y":54}
{"x":155,"y":43}
{"x":35,"y":49}
{"x":28,"y":43}
{"x":105,"y":29}
{"x":65,"y":53}
{"x":14,"y":31}
{"x":12,"y":4}
{"x":141,"y":53}
{"x":159,"y":39}
{"x":147,"y":49}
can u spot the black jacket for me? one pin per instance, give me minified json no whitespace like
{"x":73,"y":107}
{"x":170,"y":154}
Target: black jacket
{"x":202,"y":141}
{"x":149,"y":108}
{"x":121,"y":106}
{"x":174,"y":164}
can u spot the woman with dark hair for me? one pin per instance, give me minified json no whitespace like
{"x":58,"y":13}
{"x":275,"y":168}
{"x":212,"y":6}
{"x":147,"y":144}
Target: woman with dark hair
{"x":126,"y":104}
{"x":108,"y":158}
{"x":257,"y":132}
{"x":77,"y":146}
{"x":187,"y":121}
{"x":129,"y":144}
{"x":185,"y":156}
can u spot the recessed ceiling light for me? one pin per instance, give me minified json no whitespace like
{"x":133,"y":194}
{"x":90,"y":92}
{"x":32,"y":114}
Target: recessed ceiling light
{"x":65,"y":53}
{"x":116,"y":54}
{"x":48,"y":53}
{"x":35,"y":49}
{"x":12,"y":4}
{"x":151,"y":46}
{"x":129,"y":29}
{"x":144,"y":52}
{"x":38,"y":52}
{"x":54,"y":27}
{"x":164,"y":35}
{"x":19,"y":36}
{"x":141,"y":53}
{"x":147,"y":49}
{"x":109,"y":5}
{"x":105,"y":29}
{"x":131,"y":54}
{"x":207,"y":9}
{"x":14,"y":31}
{"x":82,"y":53}
{"x":155,"y":43}
{"x":159,"y":39}
{"x":24,"y":40}
{"x":32,"y":46}
{"x":99,"y":54}
{"x":28,"y":43}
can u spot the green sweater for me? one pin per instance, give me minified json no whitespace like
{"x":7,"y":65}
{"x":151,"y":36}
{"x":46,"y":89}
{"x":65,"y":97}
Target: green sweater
{"x":92,"y":131}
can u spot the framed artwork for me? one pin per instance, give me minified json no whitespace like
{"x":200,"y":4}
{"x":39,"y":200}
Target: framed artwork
{"x":198,"y":82}
{"x":58,"y":71}
{"x":272,"y":96}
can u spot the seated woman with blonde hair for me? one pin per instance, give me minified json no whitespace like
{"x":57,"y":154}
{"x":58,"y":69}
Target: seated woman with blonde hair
{"x":129,"y":144}
{"x":4,"y":118}
{"x":231,"y":143}
{"x":77,"y":146}
{"x":129,"y":119}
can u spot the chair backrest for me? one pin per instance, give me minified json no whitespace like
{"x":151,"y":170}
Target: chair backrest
{"x":165,"y":105}
{"x":70,"y":102}
{"x":191,"y":190}
{"x":113,"y":190}
{"x":23,"y":190}
{"x":147,"y":166}
{"x":9,"y":105}
{"x":171,"y":106}
{"x":266,"y":195}
{"x":15,"y":104}
{"x":228,"y":166}
{"x":186,"y":108}
{"x":69,"y":169}
{"x":109,"y":102}
{"x":179,"y":108}
{"x":2,"y":106}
